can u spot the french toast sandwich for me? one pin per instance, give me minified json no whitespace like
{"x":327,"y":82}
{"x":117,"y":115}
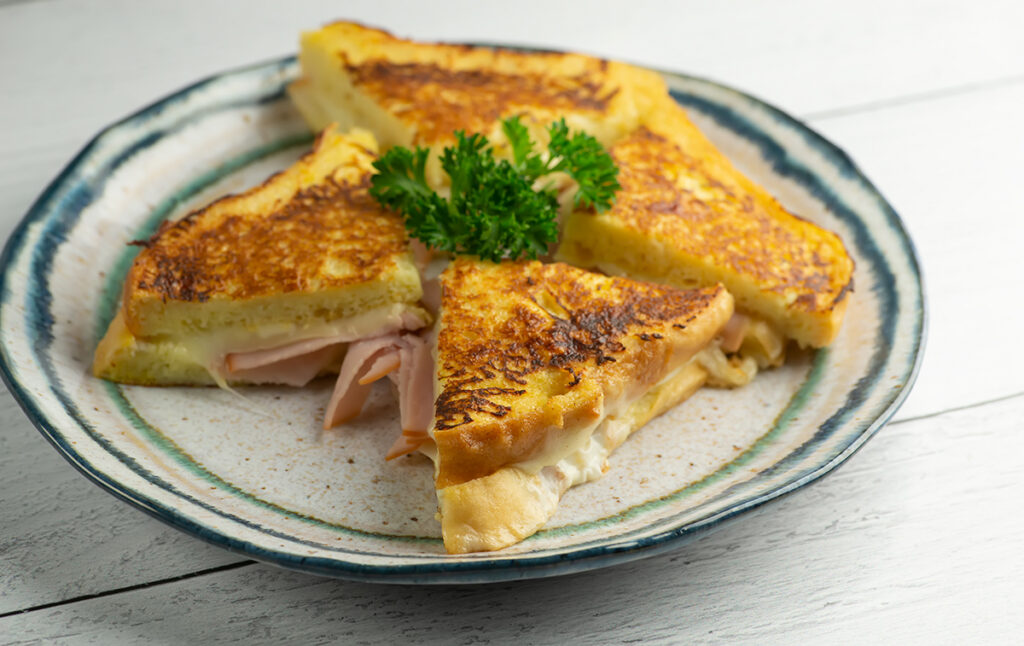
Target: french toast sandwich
{"x":532,"y":373}
{"x":531,"y":376}
{"x":418,"y":94}
{"x":268,"y":285}
{"x":686,"y":216}
{"x":542,"y":371}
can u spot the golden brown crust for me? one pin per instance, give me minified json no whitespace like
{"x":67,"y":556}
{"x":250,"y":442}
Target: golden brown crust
{"x":208,"y":253}
{"x":440,"y":101}
{"x":685,"y":215}
{"x":510,"y":504}
{"x":435,"y":89}
{"x":308,"y":229}
{"x":236,"y":248}
{"x":529,"y":352}
{"x":669,"y":193}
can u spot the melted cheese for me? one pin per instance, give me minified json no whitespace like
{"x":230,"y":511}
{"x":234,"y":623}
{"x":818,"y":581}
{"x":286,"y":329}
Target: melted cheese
{"x":581,"y":456}
{"x":584,"y":455}
{"x":209,"y":350}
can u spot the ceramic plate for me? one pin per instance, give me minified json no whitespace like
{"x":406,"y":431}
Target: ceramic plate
{"x":251,"y":472}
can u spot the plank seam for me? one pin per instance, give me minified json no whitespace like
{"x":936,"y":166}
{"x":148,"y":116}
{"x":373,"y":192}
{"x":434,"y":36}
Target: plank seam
{"x":915,"y":98}
{"x":130,"y":588}
{"x":956,"y":409}
{"x":241,"y":564}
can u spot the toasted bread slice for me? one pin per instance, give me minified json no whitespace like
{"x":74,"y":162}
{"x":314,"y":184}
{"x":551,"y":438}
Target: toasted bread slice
{"x":542,"y":371}
{"x":686,"y":217}
{"x":307,"y":254}
{"x":411,"y":93}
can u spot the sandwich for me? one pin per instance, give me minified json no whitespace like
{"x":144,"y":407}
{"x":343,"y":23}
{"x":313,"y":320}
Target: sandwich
{"x":685,"y":216}
{"x":269,"y":286}
{"x":532,"y":373}
{"x":539,"y":372}
{"x":419,"y":94}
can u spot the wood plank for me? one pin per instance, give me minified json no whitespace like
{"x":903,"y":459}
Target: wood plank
{"x":805,"y":56}
{"x":922,"y":523}
{"x":949,"y":167}
{"x":62,"y":537}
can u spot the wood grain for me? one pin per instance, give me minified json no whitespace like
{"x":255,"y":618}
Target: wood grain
{"x":949,"y":168}
{"x":916,"y":539}
{"x":902,"y":545}
{"x":70,"y":71}
{"x":63,"y":537}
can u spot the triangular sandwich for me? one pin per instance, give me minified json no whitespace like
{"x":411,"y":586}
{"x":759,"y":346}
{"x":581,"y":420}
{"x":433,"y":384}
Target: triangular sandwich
{"x":685,"y":216}
{"x":418,"y":94}
{"x":542,"y":370}
{"x":270,"y":285}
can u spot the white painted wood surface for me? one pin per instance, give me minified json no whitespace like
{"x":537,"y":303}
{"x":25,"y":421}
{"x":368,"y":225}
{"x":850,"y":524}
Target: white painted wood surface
{"x":899,"y":544}
{"x":917,"y":538}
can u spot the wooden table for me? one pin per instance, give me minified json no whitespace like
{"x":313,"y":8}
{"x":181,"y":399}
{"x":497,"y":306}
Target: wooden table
{"x":920,"y":537}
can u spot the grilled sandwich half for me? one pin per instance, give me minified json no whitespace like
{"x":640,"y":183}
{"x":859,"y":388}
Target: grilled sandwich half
{"x":533,"y":375}
{"x":268,"y":286}
{"x":685,"y":216}
{"x":410,"y":93}
{"x":542,"y":371}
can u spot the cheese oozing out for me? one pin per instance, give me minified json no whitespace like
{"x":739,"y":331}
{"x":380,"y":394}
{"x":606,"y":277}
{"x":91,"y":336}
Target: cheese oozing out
{"x":582,"y":456}
{"x":286,"y":353}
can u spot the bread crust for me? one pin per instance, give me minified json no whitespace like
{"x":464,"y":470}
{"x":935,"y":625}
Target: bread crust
{"x":530,"y":353}
{"x":421,"y":93}
{"x":686,"y":216}
{"x":309,"y":243}
{"x":503,"y":508}
{"x":306,"y":249}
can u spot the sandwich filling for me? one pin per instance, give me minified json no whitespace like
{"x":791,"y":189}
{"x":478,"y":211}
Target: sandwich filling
{"x":408,"y":359}
{"x":271,"y":354}
{"x":271,"y":285}
{"x":532,"y":376}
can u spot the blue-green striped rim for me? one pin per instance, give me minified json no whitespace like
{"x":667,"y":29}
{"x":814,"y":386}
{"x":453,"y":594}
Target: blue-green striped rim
{"x":59,"y":206}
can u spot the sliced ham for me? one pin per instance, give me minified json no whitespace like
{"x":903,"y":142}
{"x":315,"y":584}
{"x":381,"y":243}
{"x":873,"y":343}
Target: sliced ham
{"x":383,"y":365}
{"x":415,"y":394}
{"x":407,"y":442}
{"x":733,"y":333}
{"x":403,"y":357}
{"x":239,"y":362}
{"x":349,"y":393}
{"x":302,"y":359}
{"x":371,"y":359}
{"x":294,"y":370}
{"x":421,"y":253}
{"x":431,"y":298}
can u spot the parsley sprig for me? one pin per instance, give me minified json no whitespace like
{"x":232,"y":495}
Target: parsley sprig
{"x":493,"y":210}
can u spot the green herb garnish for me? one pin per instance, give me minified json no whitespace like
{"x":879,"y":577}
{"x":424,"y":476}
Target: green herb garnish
{"x":493,"y":211}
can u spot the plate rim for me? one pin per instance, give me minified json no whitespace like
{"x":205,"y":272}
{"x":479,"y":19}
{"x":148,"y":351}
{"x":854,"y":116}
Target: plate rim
{"x":442,"y":572}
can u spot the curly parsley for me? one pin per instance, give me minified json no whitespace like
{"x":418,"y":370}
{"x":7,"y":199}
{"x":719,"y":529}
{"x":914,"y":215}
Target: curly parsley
{"x":493,"y":211}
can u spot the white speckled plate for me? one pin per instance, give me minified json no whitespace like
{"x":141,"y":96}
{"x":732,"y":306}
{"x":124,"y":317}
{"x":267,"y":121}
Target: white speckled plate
{"x":253,"y":473}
